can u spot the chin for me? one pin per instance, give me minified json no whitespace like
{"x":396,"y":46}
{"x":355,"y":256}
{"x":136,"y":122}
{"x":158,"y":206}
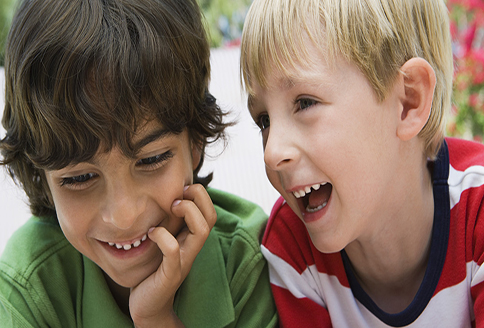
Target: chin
{"x":134,"y":277}
{"x":327,"y":247}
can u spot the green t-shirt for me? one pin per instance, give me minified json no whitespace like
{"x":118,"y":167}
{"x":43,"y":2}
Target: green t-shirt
{"x":45,"y":282}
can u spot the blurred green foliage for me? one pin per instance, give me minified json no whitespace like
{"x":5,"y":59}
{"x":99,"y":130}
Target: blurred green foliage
{"x":6,"y":13}
{"x":225,"y":19}
{"x":467,"y":28}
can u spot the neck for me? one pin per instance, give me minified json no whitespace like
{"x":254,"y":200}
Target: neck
{"x":390,"y":263}
{"x":120,"y":294}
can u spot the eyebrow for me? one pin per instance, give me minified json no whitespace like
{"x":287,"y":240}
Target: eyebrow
{"x":153,"y":136}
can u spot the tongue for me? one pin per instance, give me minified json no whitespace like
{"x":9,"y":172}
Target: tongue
{"x":318,"y":197}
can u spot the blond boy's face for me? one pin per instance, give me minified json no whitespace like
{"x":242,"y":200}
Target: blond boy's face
{"x":329,"y":148}
{"x":105,"y":207}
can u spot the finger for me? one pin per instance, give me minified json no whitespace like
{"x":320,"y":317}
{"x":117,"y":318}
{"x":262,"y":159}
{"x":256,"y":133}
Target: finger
{"x":197,"y":227}
{"x":169,"y":272}
{"x":192,"y":239}
{"x":199,"y":195}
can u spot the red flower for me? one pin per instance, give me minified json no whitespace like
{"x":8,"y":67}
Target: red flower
{"x":473,"y":100}
{"x":468,"y":38}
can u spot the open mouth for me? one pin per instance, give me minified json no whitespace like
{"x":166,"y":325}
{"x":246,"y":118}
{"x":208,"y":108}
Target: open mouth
{"x":314,"y":198}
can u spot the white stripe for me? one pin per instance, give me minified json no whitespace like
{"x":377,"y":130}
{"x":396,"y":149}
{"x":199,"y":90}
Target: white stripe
{"x":285,"y":276}
{"x":476,"y":273}
{"x":318,"y":287}
{"x":459,"y":181}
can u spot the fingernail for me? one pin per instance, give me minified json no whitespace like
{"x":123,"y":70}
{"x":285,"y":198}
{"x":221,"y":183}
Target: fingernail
{"x":186,"y":187}
{"x":176,"y":202}
{"x":151,"y":230}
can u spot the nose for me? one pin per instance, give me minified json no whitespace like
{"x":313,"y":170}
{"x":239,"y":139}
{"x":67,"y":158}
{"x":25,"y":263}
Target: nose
{"x":280,"y":147}
{"x":124,"y":204}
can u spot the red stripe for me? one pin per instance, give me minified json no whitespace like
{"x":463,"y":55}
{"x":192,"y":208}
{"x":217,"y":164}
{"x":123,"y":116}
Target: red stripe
{"x":303,"y":312}
{"x":477,"y":293}
{"x":464,"y":153}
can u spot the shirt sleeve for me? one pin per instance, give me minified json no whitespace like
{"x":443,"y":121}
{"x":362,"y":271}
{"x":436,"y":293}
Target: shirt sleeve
{"x":247,"y":273}
{"x":14,"y":308}
{"x":237,"y":236}
{"x":477,"y":282}
{"x":27,"y":300}
{"x":251,"y":294}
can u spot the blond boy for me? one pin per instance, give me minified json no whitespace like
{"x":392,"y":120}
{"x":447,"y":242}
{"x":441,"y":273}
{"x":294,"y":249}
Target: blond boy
{"x":380,"y":219}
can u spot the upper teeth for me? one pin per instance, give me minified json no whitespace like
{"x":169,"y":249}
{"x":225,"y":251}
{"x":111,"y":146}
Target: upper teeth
{"x":307,"y":190}
{"x":127,"y":247}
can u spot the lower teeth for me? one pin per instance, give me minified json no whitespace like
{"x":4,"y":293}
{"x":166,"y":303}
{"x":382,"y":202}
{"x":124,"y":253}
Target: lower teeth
{"x":312,"y":210}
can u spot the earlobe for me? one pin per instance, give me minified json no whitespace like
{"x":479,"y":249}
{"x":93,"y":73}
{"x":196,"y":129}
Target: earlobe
{"x":419,"y":84}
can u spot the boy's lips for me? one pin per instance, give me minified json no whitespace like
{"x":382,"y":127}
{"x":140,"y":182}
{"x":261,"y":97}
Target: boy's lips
{"x":313,"y":198}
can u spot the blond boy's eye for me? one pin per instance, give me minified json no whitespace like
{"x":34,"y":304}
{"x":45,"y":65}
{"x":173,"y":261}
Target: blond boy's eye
{"x":305,"y":103}
{"x":264,"y":122}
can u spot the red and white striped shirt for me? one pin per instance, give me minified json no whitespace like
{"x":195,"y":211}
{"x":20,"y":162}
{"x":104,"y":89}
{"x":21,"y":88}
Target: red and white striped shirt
{"x":313,"y":289}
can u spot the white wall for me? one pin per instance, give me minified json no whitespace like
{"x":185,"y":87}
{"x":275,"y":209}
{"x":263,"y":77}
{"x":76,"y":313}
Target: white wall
{"x":239,"y":169}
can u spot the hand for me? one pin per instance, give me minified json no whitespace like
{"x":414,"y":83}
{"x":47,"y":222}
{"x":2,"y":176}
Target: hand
{"x":151,"y":302}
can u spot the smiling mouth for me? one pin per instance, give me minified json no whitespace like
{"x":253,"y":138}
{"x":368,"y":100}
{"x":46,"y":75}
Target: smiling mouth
{"x":128,"y":246}
{"x":315,"y":197}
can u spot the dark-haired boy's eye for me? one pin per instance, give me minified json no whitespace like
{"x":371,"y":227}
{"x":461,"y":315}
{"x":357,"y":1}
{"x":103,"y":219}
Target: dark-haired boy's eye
{"x":78,"y":179}
{"x":305,"y":103}
{"x":263,"y":122}
{"x":154,"y":160}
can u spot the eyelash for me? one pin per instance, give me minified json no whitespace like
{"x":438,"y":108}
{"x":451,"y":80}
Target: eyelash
{"x":308,"y":102}
{"x":303,"y":104}
{"x":149,"y":163}
{"x":78,"y":179}
{"x":154,"y":161}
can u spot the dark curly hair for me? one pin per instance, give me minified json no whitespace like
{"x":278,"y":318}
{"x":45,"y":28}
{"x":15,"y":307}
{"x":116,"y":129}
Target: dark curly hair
{"x":86,"y":73}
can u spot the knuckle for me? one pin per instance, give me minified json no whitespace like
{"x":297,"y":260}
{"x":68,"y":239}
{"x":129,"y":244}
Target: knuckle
{"x":171,"y":248}
{"x":205,"y":229}
{"x":196,"y":189}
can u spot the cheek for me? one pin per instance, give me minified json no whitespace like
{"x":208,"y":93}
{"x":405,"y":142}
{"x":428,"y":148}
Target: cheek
{"x":274,"y":180}
{"x":74,"y":211}
{"x":72,"y":214}
{"x":168,"y":187}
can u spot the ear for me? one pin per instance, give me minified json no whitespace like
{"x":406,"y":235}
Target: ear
{"x":419,"y":84}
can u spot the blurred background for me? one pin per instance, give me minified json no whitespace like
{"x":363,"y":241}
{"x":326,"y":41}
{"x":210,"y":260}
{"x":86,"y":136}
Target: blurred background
{"x":238,"y":166}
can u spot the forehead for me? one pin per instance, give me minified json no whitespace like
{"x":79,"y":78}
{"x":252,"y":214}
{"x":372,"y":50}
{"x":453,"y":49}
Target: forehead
{"x":299,"y":61}
{"x":312,"y":72}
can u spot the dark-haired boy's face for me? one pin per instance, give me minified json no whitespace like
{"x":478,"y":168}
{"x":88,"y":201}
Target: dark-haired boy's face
{"x":106,"y":206}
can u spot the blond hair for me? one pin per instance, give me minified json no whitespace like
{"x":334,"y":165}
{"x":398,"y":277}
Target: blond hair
{"x":377,"y":36}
